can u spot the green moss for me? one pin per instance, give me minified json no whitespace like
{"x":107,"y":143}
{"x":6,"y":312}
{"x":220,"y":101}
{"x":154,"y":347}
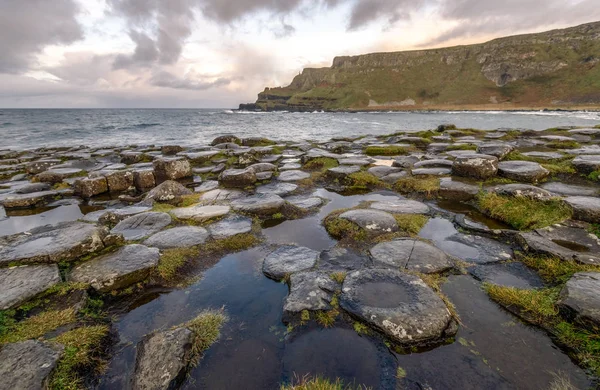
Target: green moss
{"x":277,"y":216}
{"x":555,"y":270}
{"x":320,"y":164}
{"x":61,"y":186}
{"x":171,"y":260}
{"x":563,"y":144}
{"x":400,"y":373}
{"x":7,"y":321}
{"x":189,"y":200}
{"x":584,"y":344}
{"x":207,"y":330}
{"x":342,"y":228}
{"x":59,"y":290}
{"x":387,"y":150}
{"x":494,"y":181}
{"x":594,"y":176}
{"x":364,"y":180}
{"x":427,"y":185}
{"x":319,"y":383}
{"x":327,"y":318}
{"x":564,"y":167}
{"x":37,"y":326}
{"x":361,"y":328}
{"x":539,"y":305}
{"x":524,"y":213}
{"x":305,"y":316}
{"x":411,"y":223}
{"x":595,"y":229}
{"x":162,"y":207}
{"x":83,"y":348}
{"x":277,"y":149}
{"x":461,"y":147}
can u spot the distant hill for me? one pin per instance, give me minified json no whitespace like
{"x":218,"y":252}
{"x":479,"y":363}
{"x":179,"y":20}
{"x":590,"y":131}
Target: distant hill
{"x":558,"y":69}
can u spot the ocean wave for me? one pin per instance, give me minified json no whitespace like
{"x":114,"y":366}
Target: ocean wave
{"x":106,"y":127}
{"x":145,"y":125}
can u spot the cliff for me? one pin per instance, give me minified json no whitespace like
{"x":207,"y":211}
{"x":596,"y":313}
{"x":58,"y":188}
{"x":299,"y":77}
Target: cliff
{"x":558,"y":69}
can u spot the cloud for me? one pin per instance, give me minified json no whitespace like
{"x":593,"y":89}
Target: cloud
{"x":367,"y":11}
{"x":190,"y":81}
{"x":27,"y":26}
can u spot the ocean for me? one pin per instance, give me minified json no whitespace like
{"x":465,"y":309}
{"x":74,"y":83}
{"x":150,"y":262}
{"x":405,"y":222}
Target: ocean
{"x":33,"y":128}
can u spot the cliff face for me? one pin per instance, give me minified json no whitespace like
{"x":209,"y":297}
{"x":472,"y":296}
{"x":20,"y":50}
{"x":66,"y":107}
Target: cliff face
{"x":555,"y":69}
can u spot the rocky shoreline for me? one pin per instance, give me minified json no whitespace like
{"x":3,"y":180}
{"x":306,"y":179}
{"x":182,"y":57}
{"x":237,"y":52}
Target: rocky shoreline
{"x":517,"y":210}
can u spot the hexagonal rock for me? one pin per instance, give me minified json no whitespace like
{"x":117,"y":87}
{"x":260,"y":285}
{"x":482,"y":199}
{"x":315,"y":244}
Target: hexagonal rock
{"x":143,"y":179}
{"x":571,"y":189}
{"x":230,"y":226}
{"x":342,"y":172}
{"x":199,"y":212}
{"x":293,"y":175}
{"x":512,"y":274}
{"x":524,"y":190}
{"x":91,"y":186}
{"x":18,"y":284}
{"x":495,"y":149}
{"x":168,"y":192}
{"x":53,"y":243}
{"x":287,"y":260}
{"x":410,"y":254}
{"x":456,"y":190}
{"x":40,"y":166}
{"x":220,"y":195}
{"x":374,"y":221}
{"x":113,"y":271}
{"x":585,"y":208}
{"x":226,"y":138}
{"x":119,"y":180}
{"x":141,"y":225}
{"x":22,"y":201}
{"x":28,"y":364}
{"x":178,"y":237}
{"x":309,"y":291}
{"x":477,"y":249}
{"x":401,"y":206}
{"x":305,"y":203}
{"x":261,"y":204}
{"x":171,"y":168}
{"x":527,"y":171}
{"x":237,"y":178}
{"x":162,"y":358}
{"x":478,"y":166}
{"x":400,"y":305}
{"x":587,"y":164}
{"x":580,"y":298}
{"x":277,"y":188}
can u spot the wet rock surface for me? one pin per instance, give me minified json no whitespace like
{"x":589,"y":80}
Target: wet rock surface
{"x":287,"y":260}
{"x":526,"y":171}
{"x":128,"y":265}
{"x":400,"y":305}
{"x":514,"y":275}
{"x":178,"y":237}
{"x":141,"y":225}
{"x":410,"y":254}
{"x":309,"y":291}
{"x":373,"y":221}
{"x":28,"y":364}
{"x":580,"y":298}
{"x":18,"y":284}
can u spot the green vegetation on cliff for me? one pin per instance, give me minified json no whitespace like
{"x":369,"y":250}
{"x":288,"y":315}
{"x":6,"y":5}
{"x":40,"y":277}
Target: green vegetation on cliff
{"x":555,"y":69}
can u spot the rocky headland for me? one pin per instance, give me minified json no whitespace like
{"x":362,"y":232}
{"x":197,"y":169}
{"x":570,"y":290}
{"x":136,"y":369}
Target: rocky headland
{"x":387,"y":239}
{"x":558,"y":69}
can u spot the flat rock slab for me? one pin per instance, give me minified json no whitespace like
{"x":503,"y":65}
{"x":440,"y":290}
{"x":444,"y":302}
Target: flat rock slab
{"x":566,"y":243}
{"x":289,"y":259}
{"x":168,"y":192}
{"x":524,"y":190}
{"x":220,"y":195}
{"x":178,"y":237}
{"x":237,"y":178}
{"x":354,"y":161}
{"x":339,"y":258}
{"x":281,"y":189}
{"x":208,"y":185}
{"x":571,"y":189}
{"x":456,"y":190}
{"x":544,"y":155}
{"x":478,"y":166}
{"x":374,"y":221}
{"x":162,"y":358}
{"x":585,"y":208}
{"x":293,"y":175}
{"x":342,"y":172}
{"x":526,"y":171}
{"x":230,"y":226}
{"x":495,"y":149}
{"x":581,"y":298}
{"x":431,"y":171}
{"x":54,"y":243}
{"x":305,"y":203}
{"x":309,"y":291}
{"x":28,"y":364}
{"x":410,"y":254}
{"x":476,"y":249}
{"x":401,"y":206}
{"x":142,"y":225}
{"x":261,"y":204}
{"x":382,"y":170}
{"x":21,"y":201}
{"x":128,"y":265}
{"x":199,"y":212}
{"x":400,"y":305}
{"x":18,"y":284}
{"x":514,"y":275}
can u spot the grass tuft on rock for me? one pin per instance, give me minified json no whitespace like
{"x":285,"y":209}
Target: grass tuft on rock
{"x":171,"y":260}
{"x":563,"y":145}
{"x":338,"y":277}
{"x":427,"y":185}
{"x":361,"y":328}
{"x":538,"y":305}
{"x":162,"y":207}
{"x":321,"y":164}
{"x":524,"y":213}
{"x":340,"y":228}
{"x":83,"y":350}
{"x":207,"y":330}
{"x":387,"y":150}
{"x":555,"y":270}
{"x":37,"y":326}
{"x":411,"y":223}
{"x":320,"y":383}
{"x":364,"y":180}
{"x":327,"y":318}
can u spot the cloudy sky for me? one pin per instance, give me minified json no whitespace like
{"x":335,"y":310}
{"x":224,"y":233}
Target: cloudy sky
{"x":218,"y":53}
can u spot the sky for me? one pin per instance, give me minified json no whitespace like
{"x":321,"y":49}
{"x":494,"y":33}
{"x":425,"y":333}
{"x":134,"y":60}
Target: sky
{"x":219,"y":53}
